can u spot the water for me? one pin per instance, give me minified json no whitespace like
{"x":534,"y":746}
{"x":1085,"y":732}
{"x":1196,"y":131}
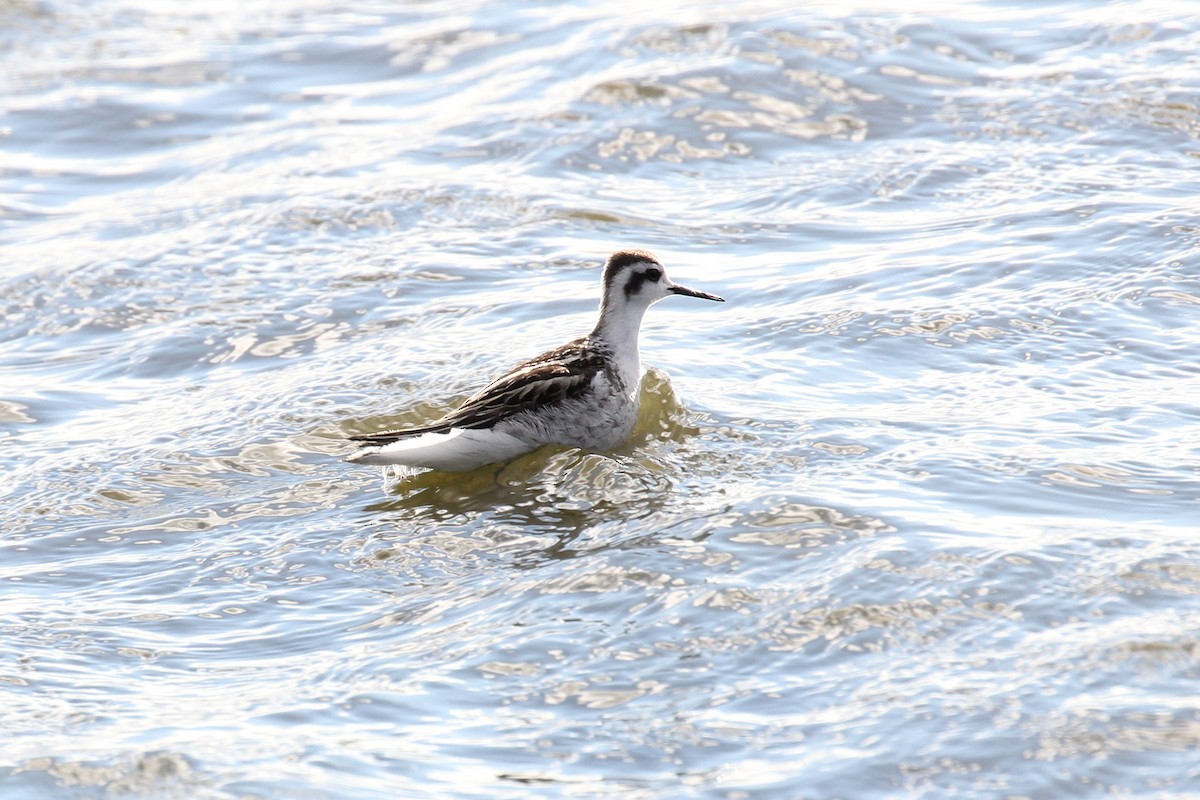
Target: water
{"x":913,"y":514}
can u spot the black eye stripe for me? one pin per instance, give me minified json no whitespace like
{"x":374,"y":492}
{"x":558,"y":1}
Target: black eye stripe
{"x":634,"y":284}
{"x":636,"y":279}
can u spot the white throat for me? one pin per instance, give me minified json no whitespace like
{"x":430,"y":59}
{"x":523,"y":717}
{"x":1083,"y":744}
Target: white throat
{"x":617,"y":329}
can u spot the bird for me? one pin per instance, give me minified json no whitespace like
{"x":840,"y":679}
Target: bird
{"x":582,"y":394}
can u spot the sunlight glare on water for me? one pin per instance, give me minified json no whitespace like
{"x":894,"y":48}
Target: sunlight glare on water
{"x":912,"y":514}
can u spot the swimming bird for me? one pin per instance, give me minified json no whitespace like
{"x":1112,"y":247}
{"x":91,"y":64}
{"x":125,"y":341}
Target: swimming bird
{"x":583,"y":394}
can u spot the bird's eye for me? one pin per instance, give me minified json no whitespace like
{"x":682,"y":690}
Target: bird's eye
{"x":653,"y":274}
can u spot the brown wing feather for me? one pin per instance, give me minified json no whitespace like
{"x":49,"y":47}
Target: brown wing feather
{"x":548,"y":379}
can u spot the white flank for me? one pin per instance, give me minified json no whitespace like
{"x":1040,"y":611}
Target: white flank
{"x":456,"y":451}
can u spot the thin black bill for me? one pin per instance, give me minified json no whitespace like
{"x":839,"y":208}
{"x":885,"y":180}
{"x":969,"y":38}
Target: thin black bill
{"x":683,"y":290}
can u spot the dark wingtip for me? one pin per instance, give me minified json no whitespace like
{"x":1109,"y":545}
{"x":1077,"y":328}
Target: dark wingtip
{"x":377,"y":439}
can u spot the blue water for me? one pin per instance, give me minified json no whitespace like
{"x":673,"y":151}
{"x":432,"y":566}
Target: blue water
{"x":913,"y":514}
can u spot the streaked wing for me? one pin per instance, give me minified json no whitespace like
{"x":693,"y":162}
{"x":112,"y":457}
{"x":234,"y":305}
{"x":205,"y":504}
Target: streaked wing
{"x":546,"y":380}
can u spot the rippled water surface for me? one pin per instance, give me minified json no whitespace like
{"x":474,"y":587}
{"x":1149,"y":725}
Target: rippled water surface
{"x":913,"y":514}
